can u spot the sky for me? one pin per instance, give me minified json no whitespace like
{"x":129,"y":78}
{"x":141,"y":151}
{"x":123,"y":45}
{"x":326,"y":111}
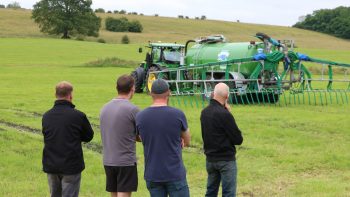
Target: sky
{"x":272,"y":12}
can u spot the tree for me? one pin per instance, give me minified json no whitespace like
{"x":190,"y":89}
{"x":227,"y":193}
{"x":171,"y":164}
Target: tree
{"x":330,"y":21}
{"x":203,"y":17}
{"x":14,"y":5}
{"x":2,"y":6}
{"x":67,"y":17}
{"x":122,"y":12}
{"x":100,"y":10}
{"x":117,"y":24}
{"x":135,"y":26}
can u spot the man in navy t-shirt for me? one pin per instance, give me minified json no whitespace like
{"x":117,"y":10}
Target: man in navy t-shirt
{"x":164,"y":132}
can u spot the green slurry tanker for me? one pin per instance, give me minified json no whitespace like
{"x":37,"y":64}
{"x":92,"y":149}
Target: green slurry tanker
{"x":257,"y":72}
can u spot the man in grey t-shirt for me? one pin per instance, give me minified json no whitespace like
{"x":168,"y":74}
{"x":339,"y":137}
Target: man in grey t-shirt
{"x":117,"y":122}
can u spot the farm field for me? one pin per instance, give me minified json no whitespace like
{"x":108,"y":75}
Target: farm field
{"x":288,"y":150}
{"x":293,"y":150}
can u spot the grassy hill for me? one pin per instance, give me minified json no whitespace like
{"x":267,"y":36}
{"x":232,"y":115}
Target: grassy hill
{"x":17,"y":23}
{"x":293,"y":150}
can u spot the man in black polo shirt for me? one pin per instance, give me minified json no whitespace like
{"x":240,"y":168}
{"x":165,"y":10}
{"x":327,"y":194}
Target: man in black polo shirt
{"x":64,"y":128}
{"x":220,"y":135}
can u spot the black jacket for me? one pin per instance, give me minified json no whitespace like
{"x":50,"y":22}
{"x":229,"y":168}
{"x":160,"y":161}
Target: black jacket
{"x":220,"y":133}
{"x":64,"y":128}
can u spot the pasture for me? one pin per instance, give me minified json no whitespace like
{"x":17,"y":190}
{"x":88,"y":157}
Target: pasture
{"x":293,"y":150}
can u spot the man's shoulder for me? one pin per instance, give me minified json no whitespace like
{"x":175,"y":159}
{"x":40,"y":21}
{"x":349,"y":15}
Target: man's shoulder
{"x":120,"y":103}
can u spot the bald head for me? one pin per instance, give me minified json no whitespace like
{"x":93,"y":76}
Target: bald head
{"x":221,"y":90}
{"x":64,"y":90}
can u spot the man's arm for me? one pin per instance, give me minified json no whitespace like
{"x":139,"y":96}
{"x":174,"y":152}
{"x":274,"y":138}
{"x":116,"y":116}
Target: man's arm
{"x":186,"y":138}
{"x":232,"y":130}
{"x":87,"y":133}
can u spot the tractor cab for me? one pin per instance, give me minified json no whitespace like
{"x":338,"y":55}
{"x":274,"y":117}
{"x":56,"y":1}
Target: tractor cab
{"x":167,"y":55}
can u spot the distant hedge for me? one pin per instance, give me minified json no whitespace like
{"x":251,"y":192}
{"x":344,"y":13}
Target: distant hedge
{"x":330,"y":21}
{"x":123,"y":25}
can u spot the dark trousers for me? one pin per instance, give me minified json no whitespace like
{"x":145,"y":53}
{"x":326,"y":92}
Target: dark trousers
{"x":225,"y":172}
{"x":64,"y":185}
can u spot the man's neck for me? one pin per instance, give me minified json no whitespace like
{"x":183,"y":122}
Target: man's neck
{"x":221,"y":101}
{"x":158,"y":103}
{"x":123,"y":96}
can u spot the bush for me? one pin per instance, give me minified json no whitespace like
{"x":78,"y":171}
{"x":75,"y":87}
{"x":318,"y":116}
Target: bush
{"x":2,"y":6}
{"x":117,"y":25}
{"x":109,"y":12}
{"x":187,"y":17}
{"x":100,"y":10}
{"x":135,"y":26}
{"x":14,"y":5}
{"x":123,"y":25}
{"x":156,"y":15}
{"x":203,"y":17}
{"x":180,"y":16}
{"x":115,"y":11}
{"x":101,"y":40}
{"x":125,"y":39}
{"x":80,"y":38}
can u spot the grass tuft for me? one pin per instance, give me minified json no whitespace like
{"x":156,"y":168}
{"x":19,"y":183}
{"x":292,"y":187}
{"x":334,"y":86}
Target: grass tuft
{"x":112,"y":62}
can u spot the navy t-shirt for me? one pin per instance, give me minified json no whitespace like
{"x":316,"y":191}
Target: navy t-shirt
{"x":160,"y":129}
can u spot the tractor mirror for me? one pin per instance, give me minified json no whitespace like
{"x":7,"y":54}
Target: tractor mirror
{"x":140,"y":50}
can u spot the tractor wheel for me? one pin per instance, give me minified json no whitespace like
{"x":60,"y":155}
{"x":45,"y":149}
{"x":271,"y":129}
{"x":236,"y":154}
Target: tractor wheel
{"x":138,"y":76}
{"x":151,"y":77}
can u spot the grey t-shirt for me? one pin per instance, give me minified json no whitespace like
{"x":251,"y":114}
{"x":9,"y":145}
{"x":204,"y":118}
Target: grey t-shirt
{"x":117,"y":122}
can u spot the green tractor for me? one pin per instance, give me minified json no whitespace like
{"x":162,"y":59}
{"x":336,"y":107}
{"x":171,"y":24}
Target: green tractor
{"x":255,"y":71}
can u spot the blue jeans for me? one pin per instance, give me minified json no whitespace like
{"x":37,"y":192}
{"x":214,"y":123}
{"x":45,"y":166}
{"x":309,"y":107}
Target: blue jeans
{"x":173,"y":189}
{"x":225,"y":172}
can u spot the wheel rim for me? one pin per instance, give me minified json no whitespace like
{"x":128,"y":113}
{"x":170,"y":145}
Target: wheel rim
{"x":150,"y":80}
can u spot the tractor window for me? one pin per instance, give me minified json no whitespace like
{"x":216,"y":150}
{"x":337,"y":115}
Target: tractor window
{"x":155,"y":54}
{"x":172,"y":55}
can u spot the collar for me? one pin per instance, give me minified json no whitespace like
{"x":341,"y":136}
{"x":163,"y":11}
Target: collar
{"x":216,"y":103}
{"x":64,"y":103}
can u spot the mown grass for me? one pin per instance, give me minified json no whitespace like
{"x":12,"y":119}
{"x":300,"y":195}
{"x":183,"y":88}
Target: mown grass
{"x":17,"y":23}
{"x":293,"y":150}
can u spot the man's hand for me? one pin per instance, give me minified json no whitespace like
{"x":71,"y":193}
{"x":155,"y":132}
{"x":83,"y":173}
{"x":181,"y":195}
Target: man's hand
{"x":227,"y":106}
{"x":185,"y":138}
{"x":182,"y":143}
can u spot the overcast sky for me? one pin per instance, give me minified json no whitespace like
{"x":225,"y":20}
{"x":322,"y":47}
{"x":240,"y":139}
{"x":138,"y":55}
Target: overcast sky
{"x":274,"y":12}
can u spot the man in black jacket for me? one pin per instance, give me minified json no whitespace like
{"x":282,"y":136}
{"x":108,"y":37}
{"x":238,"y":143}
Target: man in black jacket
{"x":220,"y":135}
{"x":64,"y":128}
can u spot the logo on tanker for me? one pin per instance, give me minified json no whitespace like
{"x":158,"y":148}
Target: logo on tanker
{"x":223,"y":56}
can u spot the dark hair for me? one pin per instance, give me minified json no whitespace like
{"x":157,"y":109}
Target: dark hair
{"x":63,"y":89}
{"x":125,"y":84}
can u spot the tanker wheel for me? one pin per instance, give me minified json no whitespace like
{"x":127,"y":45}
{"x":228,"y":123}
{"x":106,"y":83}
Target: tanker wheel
{"x":151,"y":77}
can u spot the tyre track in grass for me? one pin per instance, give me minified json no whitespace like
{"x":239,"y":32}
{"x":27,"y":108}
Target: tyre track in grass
{"x":21,"y":112}
{"x":23,"y":128}
{"x":92,"y":146}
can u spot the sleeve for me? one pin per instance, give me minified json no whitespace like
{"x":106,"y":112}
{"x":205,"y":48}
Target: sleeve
{"x":87,"y":133}
{"x":134,"y":112}
{"x":231,"y":129}
{"x":183,"y":122}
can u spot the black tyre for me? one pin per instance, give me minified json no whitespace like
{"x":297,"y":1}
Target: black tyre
{"x":138,"y":76}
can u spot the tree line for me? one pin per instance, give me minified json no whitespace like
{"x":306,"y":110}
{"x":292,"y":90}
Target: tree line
{"x":335,"y":22}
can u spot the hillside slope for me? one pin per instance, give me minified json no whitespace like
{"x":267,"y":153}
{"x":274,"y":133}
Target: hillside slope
{"x":18,"y":23}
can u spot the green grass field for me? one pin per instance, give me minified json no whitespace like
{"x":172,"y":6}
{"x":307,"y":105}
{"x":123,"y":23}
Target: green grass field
{"x":293,"y":150}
